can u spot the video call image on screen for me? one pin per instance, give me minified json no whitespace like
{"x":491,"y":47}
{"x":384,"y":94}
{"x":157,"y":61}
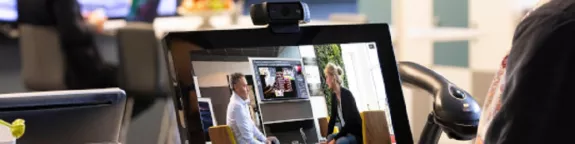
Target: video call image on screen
{"x":294,"y":73}
{"x":121,"y":8}
{"x":280,"y":79}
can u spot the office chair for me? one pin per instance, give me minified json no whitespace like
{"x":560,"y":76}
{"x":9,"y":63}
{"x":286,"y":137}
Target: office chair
{"x":144,"y":77}
{"x":43,"y":64}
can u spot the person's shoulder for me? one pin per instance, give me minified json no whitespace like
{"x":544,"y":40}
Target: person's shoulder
{"x":346,"y":91}
{"x":234,"y":105}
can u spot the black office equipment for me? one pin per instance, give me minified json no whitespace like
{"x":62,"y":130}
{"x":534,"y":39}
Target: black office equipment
{"x":455,"y":111}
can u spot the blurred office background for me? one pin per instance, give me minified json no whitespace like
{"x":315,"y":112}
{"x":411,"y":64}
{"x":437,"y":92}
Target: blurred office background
{"x":465,"y":40}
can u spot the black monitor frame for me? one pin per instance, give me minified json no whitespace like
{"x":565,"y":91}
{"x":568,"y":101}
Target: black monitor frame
{"x":177,"y":44}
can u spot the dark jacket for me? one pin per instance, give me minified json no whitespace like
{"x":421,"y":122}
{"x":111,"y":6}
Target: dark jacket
{"x":350,"y":116}
{"x":539,"y":95}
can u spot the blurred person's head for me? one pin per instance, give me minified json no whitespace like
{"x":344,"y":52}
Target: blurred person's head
{"x":333,"y":76}
{"x":239,"y":85}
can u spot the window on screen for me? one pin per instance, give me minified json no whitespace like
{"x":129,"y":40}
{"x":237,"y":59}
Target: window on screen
{"x":290,"y":73}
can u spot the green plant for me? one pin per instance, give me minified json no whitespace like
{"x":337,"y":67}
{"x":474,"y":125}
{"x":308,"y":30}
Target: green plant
{"x":325,"y":54}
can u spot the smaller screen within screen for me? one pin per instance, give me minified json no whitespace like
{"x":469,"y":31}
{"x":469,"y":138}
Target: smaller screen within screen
{"x":280,"y":79}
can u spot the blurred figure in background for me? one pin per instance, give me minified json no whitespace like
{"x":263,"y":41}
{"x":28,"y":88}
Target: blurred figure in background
{"x":85,"y":66}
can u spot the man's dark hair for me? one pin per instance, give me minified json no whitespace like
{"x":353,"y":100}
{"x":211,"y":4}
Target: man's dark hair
{"x":235,"y":78}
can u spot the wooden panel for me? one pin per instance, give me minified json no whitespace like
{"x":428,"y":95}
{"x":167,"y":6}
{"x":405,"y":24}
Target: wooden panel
{"x":375,"y":128}
{"x":323,"y":124}
{"x":184,"y":72}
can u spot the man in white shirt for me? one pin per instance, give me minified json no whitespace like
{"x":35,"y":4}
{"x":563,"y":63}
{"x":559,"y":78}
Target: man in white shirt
{"x":238,"y":115}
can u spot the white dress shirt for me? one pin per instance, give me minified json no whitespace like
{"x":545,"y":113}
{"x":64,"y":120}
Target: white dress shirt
{"x":340,"y":114}
{"x":239,"y":119}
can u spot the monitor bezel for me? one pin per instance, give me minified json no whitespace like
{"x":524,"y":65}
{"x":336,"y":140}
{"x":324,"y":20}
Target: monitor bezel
{"x":308,"y":35}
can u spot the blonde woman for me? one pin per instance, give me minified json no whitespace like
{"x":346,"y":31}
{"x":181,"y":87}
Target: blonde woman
{"x":343,"y":108}
{"x":531,"y":98}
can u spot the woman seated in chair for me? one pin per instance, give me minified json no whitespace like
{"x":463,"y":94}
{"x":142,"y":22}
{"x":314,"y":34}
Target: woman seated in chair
{"x":343,"y":107}
{"x":85,"y":67}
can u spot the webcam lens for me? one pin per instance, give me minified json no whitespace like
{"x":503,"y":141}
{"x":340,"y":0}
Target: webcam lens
{"x":285,"y":11}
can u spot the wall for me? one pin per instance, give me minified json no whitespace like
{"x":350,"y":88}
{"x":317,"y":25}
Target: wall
{"x":214,"y":73}
{"x":289,"y":52}
{"x":377,"y":11}
{"x":360,"y":80}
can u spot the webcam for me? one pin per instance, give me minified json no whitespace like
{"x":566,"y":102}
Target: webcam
{"x":281,"y":17}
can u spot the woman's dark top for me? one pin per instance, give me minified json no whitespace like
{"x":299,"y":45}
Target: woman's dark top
{"x":539,"y":95}
{"x":350,"y":116}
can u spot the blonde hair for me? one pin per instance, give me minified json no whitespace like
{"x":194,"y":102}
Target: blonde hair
{"x":334,"y":71}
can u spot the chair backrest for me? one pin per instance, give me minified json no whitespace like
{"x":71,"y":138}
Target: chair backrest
{"x":142,"y":64}
{"x":43,"y":66}
{"x":375,"y":128}
{"x":323,"y":124}
{"x":222,"y":134}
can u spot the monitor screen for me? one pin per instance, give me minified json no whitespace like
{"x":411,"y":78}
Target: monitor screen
{"x":279,"y":79}
{"x":121,"y":8}
{"x":286,"y":73}
{"x":207,"y":115}
{"x":8,"y":10}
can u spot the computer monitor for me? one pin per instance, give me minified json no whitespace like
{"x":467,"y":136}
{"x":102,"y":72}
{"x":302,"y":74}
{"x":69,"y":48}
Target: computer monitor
{"x":207,"y":114}
{"x":121,"y":8}
{"x":363,"y":53}
{"x":8,"y":11}
{"x":279,"y":79}
{"x":59,"y":117}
